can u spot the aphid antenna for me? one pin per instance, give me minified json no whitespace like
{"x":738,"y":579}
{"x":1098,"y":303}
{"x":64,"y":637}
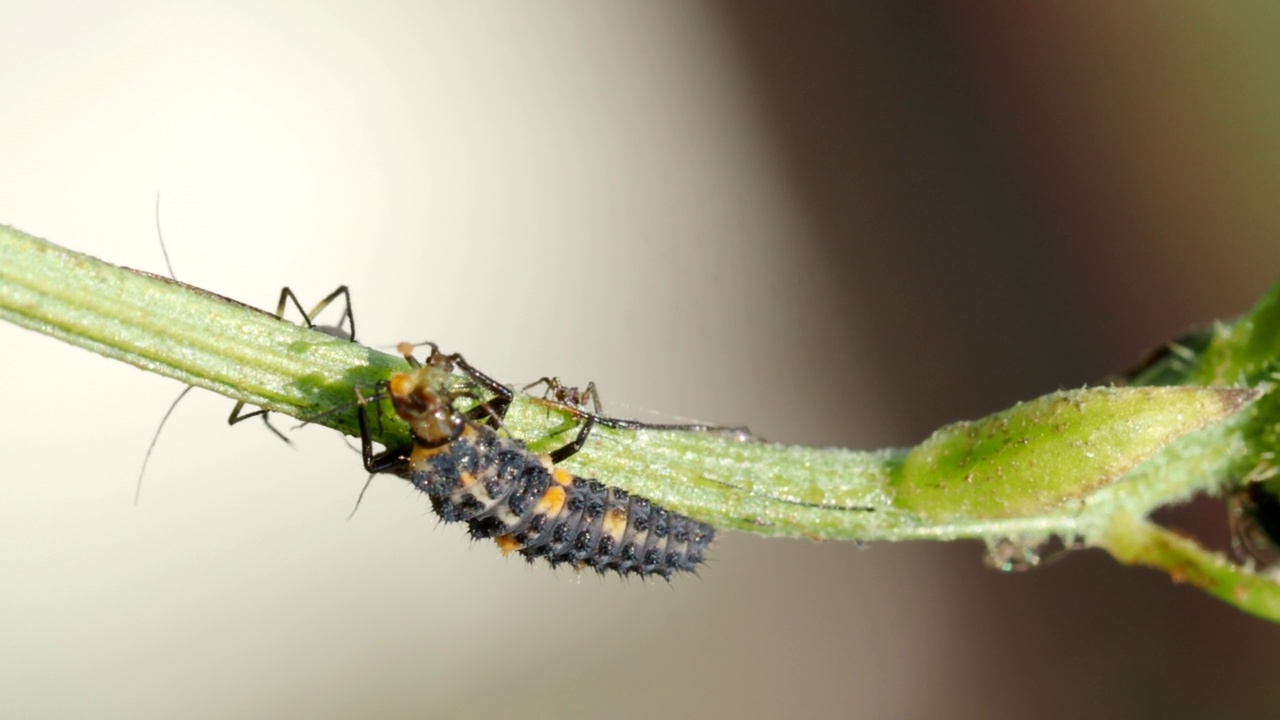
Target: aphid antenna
{"x":406,"y":349}
{"x":163,"y":250}
{"x":142,"y":472}
{"x":137,"y":491}
{"x":449,"y":362}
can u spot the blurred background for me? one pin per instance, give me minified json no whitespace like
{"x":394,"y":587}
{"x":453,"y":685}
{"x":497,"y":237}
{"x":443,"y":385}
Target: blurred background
{"x":839,"y":223}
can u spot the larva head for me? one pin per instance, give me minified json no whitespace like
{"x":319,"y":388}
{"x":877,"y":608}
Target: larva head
{"x":422,"y":400}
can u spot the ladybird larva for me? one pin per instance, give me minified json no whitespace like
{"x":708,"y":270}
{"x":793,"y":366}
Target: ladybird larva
{"x":521,"y":499}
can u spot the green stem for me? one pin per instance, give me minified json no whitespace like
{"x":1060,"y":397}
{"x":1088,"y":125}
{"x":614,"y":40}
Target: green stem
{"x":1136,"y":542}
{"x":1087,"y":464}
{"x":185,"y":333}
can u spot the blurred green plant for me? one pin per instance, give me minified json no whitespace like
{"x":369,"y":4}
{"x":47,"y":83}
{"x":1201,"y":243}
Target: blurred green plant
{"x":1084,"y":467}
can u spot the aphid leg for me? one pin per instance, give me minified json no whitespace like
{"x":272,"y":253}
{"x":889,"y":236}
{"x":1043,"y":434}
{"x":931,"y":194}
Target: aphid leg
{"x":335,"y":330}
{"x":366,"y":440}
{"x":346,"y":310}
{"x":373,"y":464}
{"x":565,"y":452}
{"x":594,"y":395}
{"x":552,"y":384}
{"x":387,"y":461}
{"x":490,"y":412}
{"x":287,"y":294}
{"x":236,"y":417}
{"x":495,"y":409}
{"x":480,"y":378}
{"x":308,"y":319}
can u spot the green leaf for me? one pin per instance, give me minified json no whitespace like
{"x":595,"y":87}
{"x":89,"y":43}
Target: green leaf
{"x":1052,"y":454}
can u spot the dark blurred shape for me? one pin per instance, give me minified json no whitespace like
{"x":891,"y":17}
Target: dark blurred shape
{"x":1020,"y":198}
{"x":910,"y":194}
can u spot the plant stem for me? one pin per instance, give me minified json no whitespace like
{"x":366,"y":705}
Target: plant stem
{"x":1086,"y":464}
{"x":185,"y":333}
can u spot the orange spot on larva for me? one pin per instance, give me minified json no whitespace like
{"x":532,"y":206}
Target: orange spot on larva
{"x":552,"y":501}
{"x":562,"y":476}
{"x":507,"y":544}
{"x":466,"y":479}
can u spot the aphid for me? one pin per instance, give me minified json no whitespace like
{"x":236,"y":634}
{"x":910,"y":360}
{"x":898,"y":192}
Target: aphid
{"x":574,"y":400}
{"x":286,"y":294}
{"x":521,"y":499}
{"x":567,"y":394}
{"x":348,"y":333}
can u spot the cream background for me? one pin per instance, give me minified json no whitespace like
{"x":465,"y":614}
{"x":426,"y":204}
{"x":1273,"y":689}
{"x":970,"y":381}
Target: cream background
{"x":585,"y":193}
{"x":611,"y":193}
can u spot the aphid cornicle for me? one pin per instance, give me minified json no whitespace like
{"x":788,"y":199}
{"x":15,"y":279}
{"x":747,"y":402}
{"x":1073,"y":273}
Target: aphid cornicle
{"x":522,"y":499}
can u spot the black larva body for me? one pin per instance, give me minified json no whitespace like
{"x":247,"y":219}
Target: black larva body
{"x":522,"y":500}
{"x":503,"y":491}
